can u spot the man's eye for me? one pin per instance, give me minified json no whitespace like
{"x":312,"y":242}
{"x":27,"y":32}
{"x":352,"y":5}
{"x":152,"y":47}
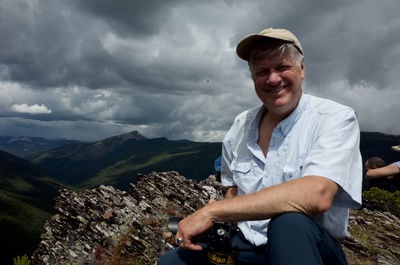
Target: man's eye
{"x":283,"y":67}
{"x":261,"y":72}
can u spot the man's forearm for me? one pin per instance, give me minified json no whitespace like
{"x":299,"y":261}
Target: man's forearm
{"x":311,"y":195}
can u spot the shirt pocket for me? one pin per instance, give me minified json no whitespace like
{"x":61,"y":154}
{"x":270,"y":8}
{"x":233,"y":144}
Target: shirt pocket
{"x":242,"y":168}
{"x":245,"y":176}
{"x":291,"y":171}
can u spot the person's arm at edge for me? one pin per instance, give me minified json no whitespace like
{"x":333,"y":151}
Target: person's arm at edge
{"x":383,"y":172}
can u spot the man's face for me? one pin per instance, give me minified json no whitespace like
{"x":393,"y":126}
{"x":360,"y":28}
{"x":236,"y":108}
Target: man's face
{"x":277,"y":82}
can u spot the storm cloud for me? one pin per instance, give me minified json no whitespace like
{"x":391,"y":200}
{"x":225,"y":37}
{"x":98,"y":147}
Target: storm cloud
{"x":91,"y":69}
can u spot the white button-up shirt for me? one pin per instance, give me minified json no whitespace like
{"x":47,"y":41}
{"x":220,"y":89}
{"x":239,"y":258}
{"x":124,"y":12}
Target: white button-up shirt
{"x":319,"y":138}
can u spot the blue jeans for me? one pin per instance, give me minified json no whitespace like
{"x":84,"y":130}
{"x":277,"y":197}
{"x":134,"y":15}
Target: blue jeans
{"x":293,"y":238}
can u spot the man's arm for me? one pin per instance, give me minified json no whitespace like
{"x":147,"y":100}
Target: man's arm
{"x":311,"y":195}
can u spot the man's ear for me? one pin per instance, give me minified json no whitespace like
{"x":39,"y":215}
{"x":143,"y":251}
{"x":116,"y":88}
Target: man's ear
{"x":303,"y":70}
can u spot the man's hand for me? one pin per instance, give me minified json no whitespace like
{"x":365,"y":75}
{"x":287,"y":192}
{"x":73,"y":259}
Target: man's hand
{"x":194,"y":225}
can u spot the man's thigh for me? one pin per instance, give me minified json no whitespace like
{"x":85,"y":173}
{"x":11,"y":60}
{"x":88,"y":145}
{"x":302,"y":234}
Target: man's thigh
{"x":294,"y":238}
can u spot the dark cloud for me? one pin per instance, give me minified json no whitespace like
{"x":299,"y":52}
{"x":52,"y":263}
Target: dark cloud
{"x":95,"y":68}
{"x":129,"y":18}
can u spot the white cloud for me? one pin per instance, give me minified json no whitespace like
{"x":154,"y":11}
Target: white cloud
{"x":32,"y":109}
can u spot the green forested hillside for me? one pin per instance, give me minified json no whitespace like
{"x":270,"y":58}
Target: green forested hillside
{"x":21,"y":224}
{"x":94,"y":164}
{"x":26,"y":201}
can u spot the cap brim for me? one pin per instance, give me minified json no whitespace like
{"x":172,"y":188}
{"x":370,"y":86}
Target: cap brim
{"x":248,"y":43}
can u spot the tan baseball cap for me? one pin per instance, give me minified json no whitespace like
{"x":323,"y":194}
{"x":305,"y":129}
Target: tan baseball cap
{"x":248,"y":43}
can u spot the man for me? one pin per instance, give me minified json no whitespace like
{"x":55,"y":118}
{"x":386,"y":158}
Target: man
{"x":292,"y":167}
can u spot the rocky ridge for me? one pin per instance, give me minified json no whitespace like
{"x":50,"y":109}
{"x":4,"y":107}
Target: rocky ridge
{"x":109,"y":226}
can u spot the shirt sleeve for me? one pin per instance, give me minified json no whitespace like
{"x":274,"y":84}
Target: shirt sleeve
{"x":226,"y":160}
{"x":336,"y":156}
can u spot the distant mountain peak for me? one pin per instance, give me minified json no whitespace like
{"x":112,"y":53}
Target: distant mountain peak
{"x":132,"y":135}
{"x":118,"y":139}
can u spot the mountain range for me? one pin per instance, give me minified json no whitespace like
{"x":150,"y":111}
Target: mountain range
{"x":117,"y":160}
{"x":24,"y":146}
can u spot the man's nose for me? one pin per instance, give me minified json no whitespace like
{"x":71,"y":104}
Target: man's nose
{"x":273,"y":78}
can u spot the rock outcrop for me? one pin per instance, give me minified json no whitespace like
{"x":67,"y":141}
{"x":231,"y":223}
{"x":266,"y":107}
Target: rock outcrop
{"x":110,"y":226}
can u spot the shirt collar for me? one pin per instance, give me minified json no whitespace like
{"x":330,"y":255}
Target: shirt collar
{"x":287,"y":124}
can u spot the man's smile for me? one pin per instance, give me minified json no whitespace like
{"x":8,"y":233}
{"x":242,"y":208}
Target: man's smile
{"x":276,"y":90}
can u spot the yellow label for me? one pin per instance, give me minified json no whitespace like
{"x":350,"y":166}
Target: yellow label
{"x":220,"y":258}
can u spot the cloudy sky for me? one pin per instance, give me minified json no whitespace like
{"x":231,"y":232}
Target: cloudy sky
{"x":91,"y":69}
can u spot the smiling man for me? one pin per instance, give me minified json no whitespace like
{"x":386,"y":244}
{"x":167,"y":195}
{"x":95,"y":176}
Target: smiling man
{"x":292,"y":168}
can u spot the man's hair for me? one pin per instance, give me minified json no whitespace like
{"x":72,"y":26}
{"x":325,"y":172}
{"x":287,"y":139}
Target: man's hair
{"x":376,"y":162}
{"x":275,"y":48}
